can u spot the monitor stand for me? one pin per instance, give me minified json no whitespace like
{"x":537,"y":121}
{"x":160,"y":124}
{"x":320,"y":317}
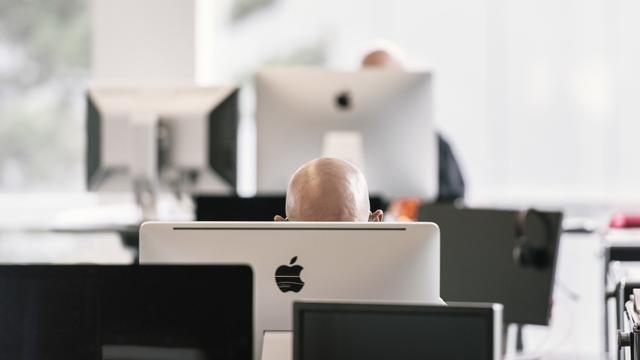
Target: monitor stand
{"x":519,"y":339}
{"x":277,"y":345}
{"x":345,"y":145}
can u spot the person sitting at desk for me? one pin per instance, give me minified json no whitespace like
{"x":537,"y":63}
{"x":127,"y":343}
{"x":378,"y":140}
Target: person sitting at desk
{"x":328,"y":189}
{"x":450,"y":181}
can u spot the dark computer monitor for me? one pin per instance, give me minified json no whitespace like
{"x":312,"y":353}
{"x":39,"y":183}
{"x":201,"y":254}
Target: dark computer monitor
{"x":478,"y":263}
{"x":346,"y":331}
{"x":91,"y":312}
{"x":257,"y":208}
{"x":234,"y":208}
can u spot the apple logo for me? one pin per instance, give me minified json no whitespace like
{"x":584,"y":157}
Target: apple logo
{"x":343,"y":100}
{"x":288,"y":277}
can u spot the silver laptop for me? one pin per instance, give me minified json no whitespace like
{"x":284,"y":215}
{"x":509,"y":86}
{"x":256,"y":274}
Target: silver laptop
{"x":296,"y":260}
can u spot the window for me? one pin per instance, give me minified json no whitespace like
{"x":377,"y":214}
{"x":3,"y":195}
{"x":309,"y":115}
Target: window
{"x":44,"y":61}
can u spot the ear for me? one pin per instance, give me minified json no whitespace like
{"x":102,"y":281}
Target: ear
{"x":279,"y":218}
{"x":376,"y":216}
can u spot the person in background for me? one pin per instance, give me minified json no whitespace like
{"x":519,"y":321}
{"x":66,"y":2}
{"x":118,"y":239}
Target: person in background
{"x":450,"y":180}
{"x":328,"y":189}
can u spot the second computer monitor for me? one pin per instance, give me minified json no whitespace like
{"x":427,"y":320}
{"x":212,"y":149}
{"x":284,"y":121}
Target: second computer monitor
{"x":380,"y":120}
{"x":348,"y":261}
{"x":108,"y":312}
{"x":377,"y":331}
{"x":479,"y":263}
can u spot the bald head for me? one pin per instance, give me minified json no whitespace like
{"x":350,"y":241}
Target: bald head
{"x":328,"y":189}
{"x":381,"y":59}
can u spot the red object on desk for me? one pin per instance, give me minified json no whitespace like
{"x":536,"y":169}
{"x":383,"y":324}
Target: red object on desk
{"x":405,"y":209}
{"x":625,"y":221}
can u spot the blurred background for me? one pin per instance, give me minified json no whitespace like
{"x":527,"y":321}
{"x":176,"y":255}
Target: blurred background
{"x":509,"y":76}
{"x":538,"y":99}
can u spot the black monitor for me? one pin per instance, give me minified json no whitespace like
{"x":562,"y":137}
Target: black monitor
{"x":234,"y":208}
{"x":94,"y":312}
{"x":257,"y":208}
{"x":347,"y":331}
{"x":482,"y":258}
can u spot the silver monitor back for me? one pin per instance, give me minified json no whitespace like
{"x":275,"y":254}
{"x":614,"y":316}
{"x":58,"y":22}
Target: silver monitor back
{"x":168,"y":136}
{"x":291,"y":261}
{"x":380,"y":120}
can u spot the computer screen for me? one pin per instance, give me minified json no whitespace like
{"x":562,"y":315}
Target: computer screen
{"x":105,"y":312}
{"x":400,"y":332}
{"x":257,"y":208}
{"x":478,"y":265}
{"x":380,"y":120}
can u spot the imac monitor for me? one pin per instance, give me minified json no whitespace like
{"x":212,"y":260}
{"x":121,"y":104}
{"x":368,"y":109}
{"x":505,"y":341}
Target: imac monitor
{"x":290,"y":260}
{"x":182,"y":138}
{"x":380,"y":120}
{"x":345,"y":331}
{"x":478,"y":264}
{"x":114,"y":312}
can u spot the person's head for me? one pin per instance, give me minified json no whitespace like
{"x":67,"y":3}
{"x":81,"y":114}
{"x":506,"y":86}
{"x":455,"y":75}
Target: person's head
{"x":383,"y":54}
{"x":328,"y":189}
{"x":381,"y":59}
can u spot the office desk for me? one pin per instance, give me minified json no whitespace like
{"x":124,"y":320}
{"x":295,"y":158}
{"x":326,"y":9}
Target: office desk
{"x":622,"y":246}
{"x":18,"y":247}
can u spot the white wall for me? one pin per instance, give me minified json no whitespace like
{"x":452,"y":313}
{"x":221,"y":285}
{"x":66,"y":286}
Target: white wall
{"x":626,"y":67}
{"x":553,"y":99}
{"x":143,"y":41}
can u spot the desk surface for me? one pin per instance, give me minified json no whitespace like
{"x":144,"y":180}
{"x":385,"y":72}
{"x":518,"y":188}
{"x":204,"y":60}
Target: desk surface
{"x":628,"y":238}
{"x":50,"y":247}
